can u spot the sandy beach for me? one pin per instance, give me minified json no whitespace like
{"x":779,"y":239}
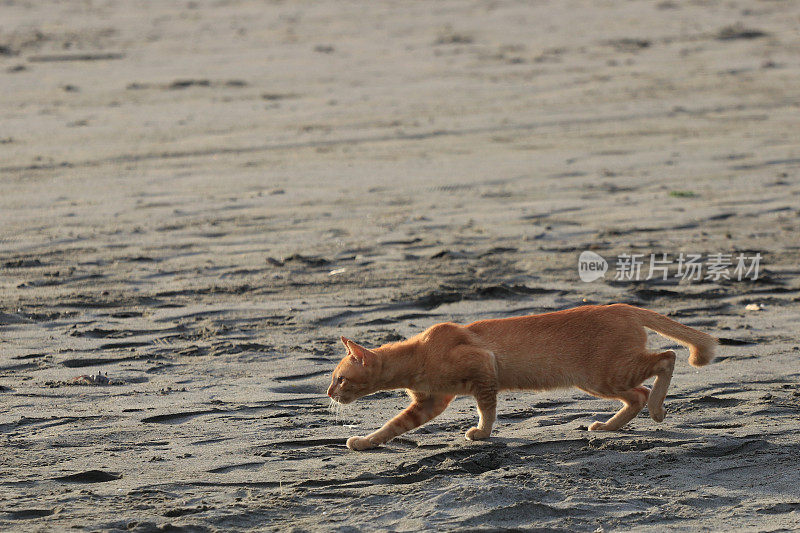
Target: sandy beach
{"x":198,"y":198}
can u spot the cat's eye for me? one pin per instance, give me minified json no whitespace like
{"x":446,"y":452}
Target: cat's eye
{"x":340,"y":380}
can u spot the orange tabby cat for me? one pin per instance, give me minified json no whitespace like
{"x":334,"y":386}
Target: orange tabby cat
{"x":598,"y":348}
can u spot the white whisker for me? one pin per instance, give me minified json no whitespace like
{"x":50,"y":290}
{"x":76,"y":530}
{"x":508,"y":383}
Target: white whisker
{"x":340,"y":413}
{"x":334,"y":408}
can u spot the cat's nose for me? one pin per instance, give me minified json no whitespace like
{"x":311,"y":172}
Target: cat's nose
{"x":329,"y":393}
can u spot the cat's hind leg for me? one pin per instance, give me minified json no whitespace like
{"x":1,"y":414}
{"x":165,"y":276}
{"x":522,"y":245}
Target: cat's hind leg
{"x":633,"y":402}
{"x":423,"y":408}
{"x":663,"y":365}
{"x":487,"y":412}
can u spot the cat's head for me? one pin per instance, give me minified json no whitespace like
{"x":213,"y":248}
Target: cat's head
{"x":355,"y":375}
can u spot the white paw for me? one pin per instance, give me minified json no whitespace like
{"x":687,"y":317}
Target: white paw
{"x":476,"y":434}
{"x":360,"y":443}
{"x":598,"y":426}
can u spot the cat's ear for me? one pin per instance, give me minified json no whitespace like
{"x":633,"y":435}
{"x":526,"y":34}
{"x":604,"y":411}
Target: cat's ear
{"x":359,"y":353}
{"x":347,"y":342}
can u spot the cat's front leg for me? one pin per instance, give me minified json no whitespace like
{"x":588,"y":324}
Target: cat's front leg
{"x":423,"y":408}
{"x":487,"y":411}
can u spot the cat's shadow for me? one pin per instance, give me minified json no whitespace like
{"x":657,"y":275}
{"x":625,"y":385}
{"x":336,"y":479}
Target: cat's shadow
{"x":627,"y":440}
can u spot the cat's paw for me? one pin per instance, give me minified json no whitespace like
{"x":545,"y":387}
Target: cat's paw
{"x":657,"y":413}
{"x":360,"y":443}
{"x":476,"y":434}
{"x":598,"y":426}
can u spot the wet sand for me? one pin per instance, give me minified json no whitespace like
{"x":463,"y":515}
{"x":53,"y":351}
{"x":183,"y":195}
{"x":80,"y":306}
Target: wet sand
{"x":197,"y":199}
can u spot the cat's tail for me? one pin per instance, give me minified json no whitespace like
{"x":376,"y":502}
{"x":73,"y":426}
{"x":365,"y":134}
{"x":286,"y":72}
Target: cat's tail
{"x":701,"y":346}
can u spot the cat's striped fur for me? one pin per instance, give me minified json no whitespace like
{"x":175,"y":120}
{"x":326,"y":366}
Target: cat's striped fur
{"x":599,"y":349}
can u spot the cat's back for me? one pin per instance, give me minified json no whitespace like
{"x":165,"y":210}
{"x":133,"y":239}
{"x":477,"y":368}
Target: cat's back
{"x":580,"y":316}
{"x":520,"y":334}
